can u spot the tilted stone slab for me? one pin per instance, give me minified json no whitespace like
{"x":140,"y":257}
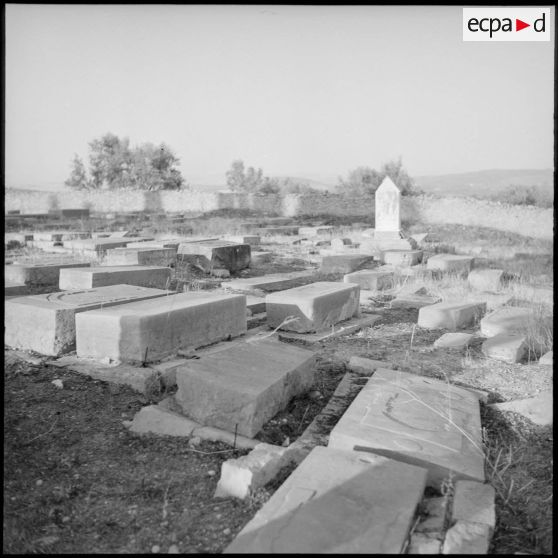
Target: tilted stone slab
{"x":450,"y":315}
{"x":140,"y":256}
{"x":506,"y":347}
{"x":38,"y":274}
{"x":491,"y":280}
{"x":337,"y":502}
{"x":89,"y":278}
{"x":316,"y":306}
{"x":153,"y":329}
{"x":46,"y":323}
{"x":416,"y":420}
{"x":450,"y":263}
{"x":270,"y":283}
{"x":456,"y":340}
{"x":401,"y":258}
{"x":344,"y":263}
{"x":218,"y":254}
{"x":100,"y":245}
{"x":507,"y":320}
{"x":370,"y":279}
{"x":241,"y":388}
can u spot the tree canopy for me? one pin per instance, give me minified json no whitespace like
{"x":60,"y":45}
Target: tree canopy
{"x":113,"y":164}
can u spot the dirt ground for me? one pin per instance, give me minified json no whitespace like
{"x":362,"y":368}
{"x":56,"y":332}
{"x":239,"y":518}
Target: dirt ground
{"x":77,"y":481}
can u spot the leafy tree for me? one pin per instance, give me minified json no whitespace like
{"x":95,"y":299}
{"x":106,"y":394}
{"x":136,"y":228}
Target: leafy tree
{"x":235,"y":176}
{"x":78,"y":176}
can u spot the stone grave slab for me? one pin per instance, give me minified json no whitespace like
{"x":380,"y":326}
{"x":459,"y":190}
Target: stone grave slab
{"x":217,"y":254}
{"x":270,"y":283}
{"x":508,"y":320}
{"x":474,"y":501}
{"x":491,"y":280}
{"x":416,"y":420}
{"x":506,"y":347}
{"x":38,"y":274}
{"x":401,"y":258}
{"x":46,"y":323}
{"x":538,"y":409}
{"x":450,"y":315}
{"x":251,"y":239}
{"x":344,"y":263}
{"x":157,"y":277}
{"x":100,"y":245}
{"x":255,"y":304}
{"x":337,"y":502}
{"x":140,"y":256}
{"x":15,"y":289}
{"x":456,"y":340}
{"x":163,"y":243}
{"x":371,"y":279}
{"x":414,"y":300}
{"x":153,"y":329}
{"x":261,"y":257}
{"x":451,"y":263}
{"x":317,"y":306}
{"x":245,"y":385}
{"x":340,"y":243}
{"x":284,"y":230}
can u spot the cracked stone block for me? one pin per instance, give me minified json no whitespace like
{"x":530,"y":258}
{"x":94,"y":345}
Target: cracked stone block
{"x":46,"y":323}
{"x":317,"y":306}
{"x":140,"y":256}
{"x":456,"y":340}
{"x":243,"y":387}
{"x":250,"y":472}
{"x":450,"y":263}
{"x":370,"y":279}
{"x":103,"y":276}
{"x":508,"y":320}
{"x":467,"y":538}
{"x":150,"y":330}
{"x":337,"y":502}
{"x":491,"y":280}
{"x":450,"y":315}
{"x":474,"y":502}
{"x":401,"y":258}
{"x":37,"y":274}
{"x":422,"y":543}
{"x":416,"y":420}
{"x":508,"y":348}
{"x":343,"y":263}
{"x":215,"y":254}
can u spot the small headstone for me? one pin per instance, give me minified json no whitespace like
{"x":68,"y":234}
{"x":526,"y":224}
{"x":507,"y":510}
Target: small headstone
{"x":507,"y":320}
{"x":216,"y":254}
{"x":451,"y":263}
{"x":457,"y":340}
{"x":505,"y":347}
{"x":490,"y":280}
{"x":398,"y":258}
{"x":371,"y":279}
{"x":450,"y":315}
{"x":474,"y":502}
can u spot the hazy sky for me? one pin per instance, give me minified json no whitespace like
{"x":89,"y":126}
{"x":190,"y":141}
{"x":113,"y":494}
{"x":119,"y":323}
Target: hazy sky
{"x":292,"y":89}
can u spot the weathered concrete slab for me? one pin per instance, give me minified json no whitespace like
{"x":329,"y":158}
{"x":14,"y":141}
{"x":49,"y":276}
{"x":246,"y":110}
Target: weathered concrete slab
{"x":337,"y":502}
{"x":153,"y":329}
{"x":251,"y":239}
{"x":538,"y":409}
{"x":101,"y":245}
{"x":46,"y":323}
{"x":491,"y":280}
{"x":140,"y":256}
{"x":457,"y":340}
{"x":450,"y":315}
{"x":92,"y":277}
{"x":244,"y":386}
{"x":217,"y":254}
{"x":414,"y":300}
{"x":507,"y":320}
{"x":38,"y":274}
{"x":270,"y":283}
{"x":371,"y":279}
{"x":401,"y":258}
{"x":506,"y":347}
{"x":474,"y":501}
{"x":451,"y":263}
{"x":416,"y":420}
{"x":347,"y":327}
{"x":15,"y":289}
{"x":344,"y":263}
{"x":317,"y":306}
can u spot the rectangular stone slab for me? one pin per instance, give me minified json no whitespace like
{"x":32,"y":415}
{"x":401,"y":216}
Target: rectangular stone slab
{"x":46,"y":323}
{"x":217,"y":254}
{"x":245,"y":385}
{"x":158,"y":328}
{"x":270,"y":283}
{"x":140,"y":256}
{"x":450,"y":263}
{"x":370,"y":279}
{"x":450,"y":315}
{"x":343,"y":263}
{"x":89,"y":278}
{"x":403,"y":258}
{"x":337,"y":502}
{"x":100,"y":245}
{"x":317,"y":306}
{"x":416,"y":420}
{"x":37,"y":274}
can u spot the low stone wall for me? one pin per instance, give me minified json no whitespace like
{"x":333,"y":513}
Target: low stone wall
{"x":525,"y":220}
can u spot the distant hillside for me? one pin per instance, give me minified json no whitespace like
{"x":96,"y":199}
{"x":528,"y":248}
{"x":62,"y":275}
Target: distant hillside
{"x":484,"y":183}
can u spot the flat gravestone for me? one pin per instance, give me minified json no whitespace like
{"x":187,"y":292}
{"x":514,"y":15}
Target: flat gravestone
{"x":251,"y":239}
{"x":15,"y":289}
{"x":140,"y":256}
{"x":371,"y":279}
{"x":450,"y":315}
{"x":451,"y":263}
{"x":37,"y":274}
{"x":89,"y":278}
{"x":241,"y":388}
{"x":316,"y":307}
{"x":270,"y":283}
{"x":506,"y":347}
{"x":217,"y":254}
{"x":100,"y":245}
{"x":507,"y":320}
{"x":344,"y":263}
{"x":46,"y":323}
{"x":285,"y":230}
{"x":490,"y":280}
{"x":153,"y":329}
{"x":337,"y":502}
{"x":401,"y":258}
{"x":416,"y":420}
{"x":456,"y":340}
